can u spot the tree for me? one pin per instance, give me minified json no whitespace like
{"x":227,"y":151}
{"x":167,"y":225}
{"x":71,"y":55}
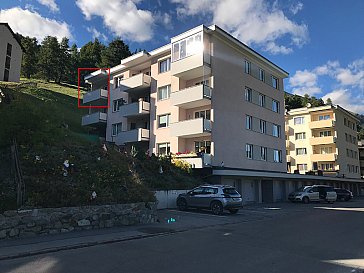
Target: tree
{"x":292,"y":101}
{"x":328,"y":101}
{"x":73,"y":65}
{"x":63,"y":63}
{"x":116,"y":51}
{"x":49,"y":58}
{"x":30,"y":56}
{"x":90,"y":54}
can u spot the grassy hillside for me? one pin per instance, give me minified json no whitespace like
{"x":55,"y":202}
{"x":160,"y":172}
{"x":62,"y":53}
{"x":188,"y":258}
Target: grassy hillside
{"x":46,"y":124}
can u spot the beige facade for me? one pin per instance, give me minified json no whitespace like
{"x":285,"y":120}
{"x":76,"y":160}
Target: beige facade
{"x":10,"y":54}
{"x":322,"y":139}
{"x":361,"y":157}
{"x":205,"y":97}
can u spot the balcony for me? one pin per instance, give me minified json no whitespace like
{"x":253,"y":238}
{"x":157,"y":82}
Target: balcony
{"x":191,"y":67}
{"x":322,"y":140}
{"x":94,"y":118}
{"x":99,"y":95}
{"x":132,"y":136}
{"x":323,"y":157}
{"x":322,"y":124}
{"x":197,"y":162}
{"x":135,"y":83}
{"x":135,"y":109}
{"x":289,"y":145}
{"x":192,"y":97}
{"x":191,"y":128}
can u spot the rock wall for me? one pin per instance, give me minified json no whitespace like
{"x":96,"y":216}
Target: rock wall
{"x":27,"y":223}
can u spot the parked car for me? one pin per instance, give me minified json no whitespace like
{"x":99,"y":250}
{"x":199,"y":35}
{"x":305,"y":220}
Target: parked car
{"x":217,"y":198}
{"x":343,"y":194}
{"x":316,"y":193}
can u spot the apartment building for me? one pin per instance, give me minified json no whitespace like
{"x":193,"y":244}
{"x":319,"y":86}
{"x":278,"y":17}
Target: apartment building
{"x":11,"y":52}
{"x":324,"y":140}
{"x":361,"y":157}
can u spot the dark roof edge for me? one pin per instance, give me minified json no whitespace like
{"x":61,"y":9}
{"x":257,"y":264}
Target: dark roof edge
{"x":14,"y":35}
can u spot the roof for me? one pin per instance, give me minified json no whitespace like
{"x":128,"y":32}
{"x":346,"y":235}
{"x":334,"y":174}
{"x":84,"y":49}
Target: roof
{"x":14,"y":35}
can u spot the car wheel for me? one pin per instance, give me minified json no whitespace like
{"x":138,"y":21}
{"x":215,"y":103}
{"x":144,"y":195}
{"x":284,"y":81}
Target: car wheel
{"x":233,"y":211}
{"x":305,"y":200}
{"x":182,"y":204}
{"x":216,"y":208}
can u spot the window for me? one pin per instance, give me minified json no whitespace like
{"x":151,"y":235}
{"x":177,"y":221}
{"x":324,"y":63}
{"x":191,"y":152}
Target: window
{"x":262,"y":100}
{"x":263,"y":126}
{"x":8,"y":49}
{"x":261,"y":75}
{"x":203,"y":147}
{"x":248,"y":122}
{"x":302,"y":167}
{"x":275,"y":106}
{"x":203,"y":114}
{"x":326,"y":166}
{"x":324,"y":117}
{"x":300,"y":136}
{"x":163,"y":120}
{"x":263,"y":153}
{"x":247,"y":67}
{"x":345,"y":121}
{"x":299,"y":120}
{"x":118,"y":80}
{"x":354,"y":140}
{"x":187,"y":47}
{"x":165,"y":65}
{"x":275,"y":82}
{"x":277,"y":155}
{"x":276,"y":130}
{"x":346,"y":136}
{"x":164,"y":92}
{"x":325,"y":133}
{"x":249,"y":151}
{"x":326,"y":150}
{"x":208,"y":190}
{"x":164,"y":148}
{"x":248,"y":94}
{"x":117,"y":104}
{"x":7,"y":62}
{"x":301,"y":151}
{"x":116,"y":129}
{"x":6,"y":75}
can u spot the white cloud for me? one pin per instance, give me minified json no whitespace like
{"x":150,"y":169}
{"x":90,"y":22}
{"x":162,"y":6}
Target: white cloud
{"x":122,"y":17}
{"x":31,"y":23}
{"x":254,"y":22}
{"x":51,"y":4}
{"x":304,"y":82}
{"x":96,"y":34}
{"x":295,"y":8}
{"x":346,"y":99}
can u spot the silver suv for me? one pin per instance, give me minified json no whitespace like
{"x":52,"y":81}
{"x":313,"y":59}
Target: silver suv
{"x":214,"y":197}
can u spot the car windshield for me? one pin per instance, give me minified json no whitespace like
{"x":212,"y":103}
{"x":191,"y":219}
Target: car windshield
{"x":230,"y":191}
{"x":303,"y":188}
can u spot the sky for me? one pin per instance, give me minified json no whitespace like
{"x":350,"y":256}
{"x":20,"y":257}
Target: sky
{"x":319,"y":42}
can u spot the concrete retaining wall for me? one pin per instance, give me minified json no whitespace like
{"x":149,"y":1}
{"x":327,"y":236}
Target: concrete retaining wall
{"x":167,"y":199}
{"x":27,"y":223}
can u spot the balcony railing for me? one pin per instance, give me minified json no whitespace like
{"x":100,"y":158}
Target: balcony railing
{"x":322,"y":140}
{"x":322,"y":124}
{"x":191,"y":128}
{"x":323,"y":157}
{"x":98,"y":94}
{"x":135,"y":135}
{"x":94,"y":118}
{"x":135,"y":109}
{"x":198,"y":162}
{"x":188,"y":68}
{"x":139,"y":81}
{"x":192,"y":97}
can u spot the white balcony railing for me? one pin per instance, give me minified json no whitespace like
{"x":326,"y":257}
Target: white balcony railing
{"x":192,"y":97}
{"x":94,"y":118}
{"x":139,"y":81}
{"x":191,"y":128}
{"x":98,"y":94}
{"x":135,"y":135}
{"x":135,"y":109}
{"x":198,"y":162}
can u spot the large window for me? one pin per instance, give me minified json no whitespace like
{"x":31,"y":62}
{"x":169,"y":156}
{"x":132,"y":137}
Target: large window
{"x":325,"y":133}
{"x":248,"y":94}
{"x":117,"y":104}
{"x":300,"y":136}
{"x":261,"y":75}
{"x":247,"y":66}
{"x":165,"y":65}
{"x":327,"y":167}
{"x":275,"y":106}
{"x":263,"y":126}
{"x":163,"y":120}
{"x":302,"y":167}
{"x":116,"y":129}
{"x":164,"y":148}
{"x":8,"y":49}
{"x":262,"y":100}
{"x":277,"y":155}
{"x":249,"y":122}
{"x":7,"y":62}
{"x":249,"y":151}
{"x":299,"y":120}
{"x":324,"y":117}
{"x":276,"y":132}
{"x":203,"y":147}
{"x":6,"y":75}
{"x":164,"y":92}
{"x":301,"y":151}
{"x":263,"y":153}
{"x":326,"y":150}
{"x":275,"y":82}
{"x":203,"y":114}
{"x":187,"y":47}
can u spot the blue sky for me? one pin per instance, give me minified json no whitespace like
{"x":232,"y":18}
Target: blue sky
{"x":320,"y":43}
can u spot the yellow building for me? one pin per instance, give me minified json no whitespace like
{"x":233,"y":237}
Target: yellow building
{"x":322,"y":139}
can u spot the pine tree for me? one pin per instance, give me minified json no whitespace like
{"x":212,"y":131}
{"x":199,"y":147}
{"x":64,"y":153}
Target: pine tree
{"x":49,"y":58}
{"x":30,"y":56}
{"x":74,"y":64}
{"x":63,"y":64}
{"x":90,"y":54}
{"x":116,"y":51}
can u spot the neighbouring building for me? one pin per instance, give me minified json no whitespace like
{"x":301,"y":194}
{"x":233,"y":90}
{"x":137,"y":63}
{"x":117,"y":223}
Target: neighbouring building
{"x":361,"y":157}
{"x":11,"y":52}
{"x":206,"y":98}
{"x":323,"y":140}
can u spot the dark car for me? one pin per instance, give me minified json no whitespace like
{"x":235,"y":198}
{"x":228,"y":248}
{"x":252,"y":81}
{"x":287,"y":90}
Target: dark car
{"x":343,"y":194}
{"x":214,"y":197}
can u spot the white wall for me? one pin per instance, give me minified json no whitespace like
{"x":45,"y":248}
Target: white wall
{"x":167,"y":199}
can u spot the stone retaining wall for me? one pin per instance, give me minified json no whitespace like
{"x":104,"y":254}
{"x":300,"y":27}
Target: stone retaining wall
{"x":27,"y":223}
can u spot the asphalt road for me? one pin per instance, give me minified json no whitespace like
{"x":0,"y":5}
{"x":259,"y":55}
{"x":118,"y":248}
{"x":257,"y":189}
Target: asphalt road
{"x":281,"y":238}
